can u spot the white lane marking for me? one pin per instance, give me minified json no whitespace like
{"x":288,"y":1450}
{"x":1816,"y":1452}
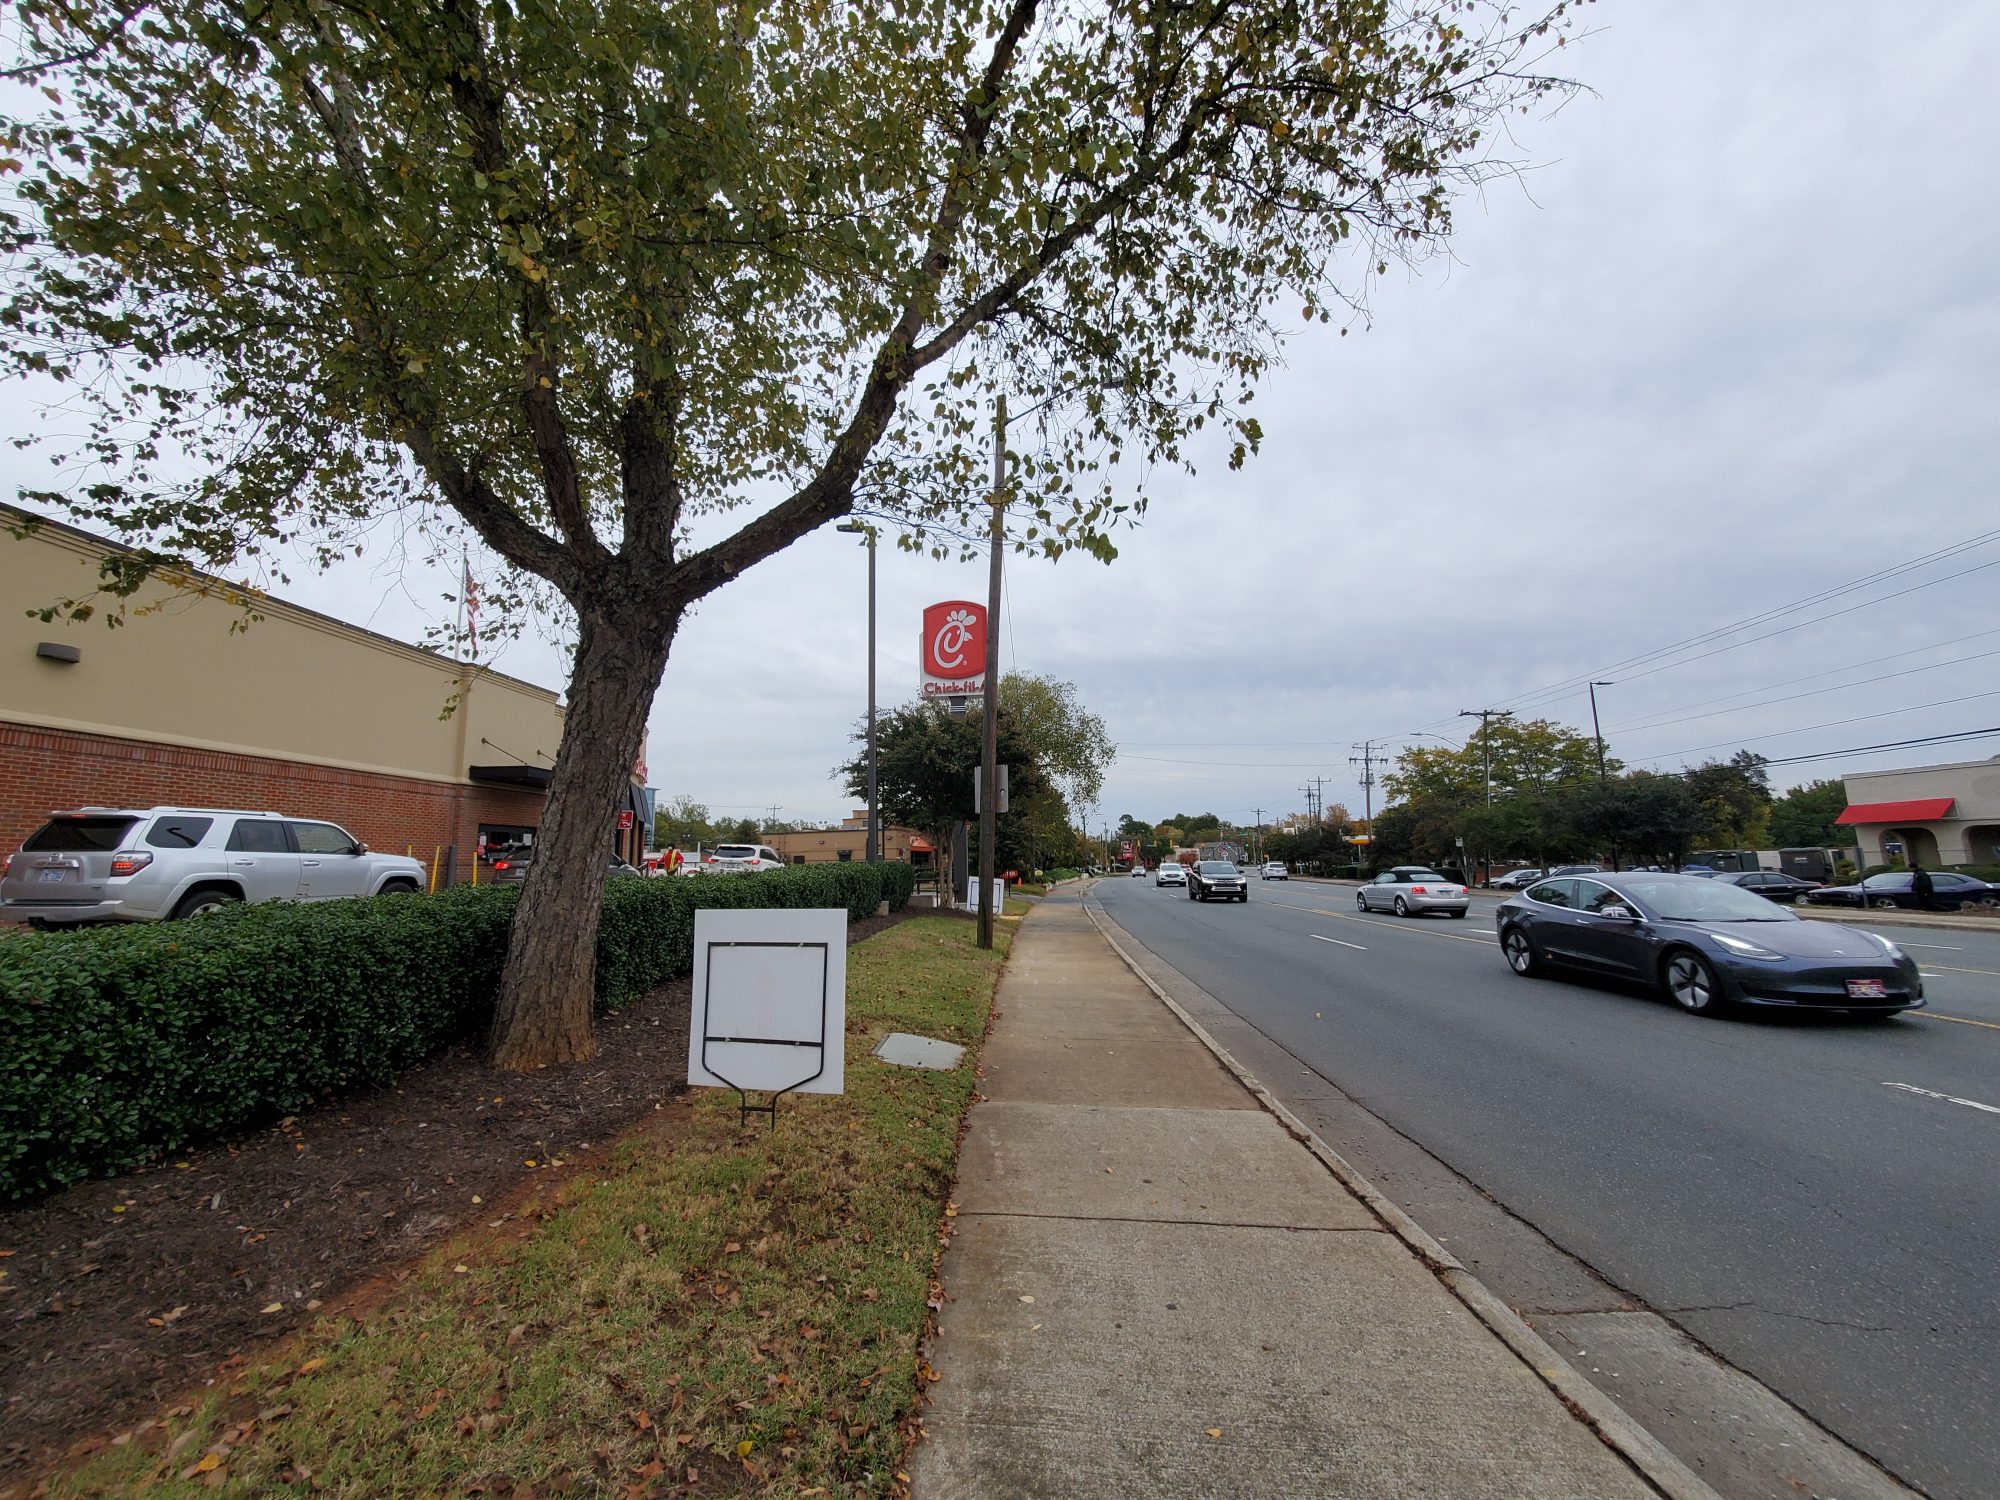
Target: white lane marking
{"x":1941,"y":947}
{"x":1318,"y":939}
{"x":1911,"y":1088}
{"x":1948,"y":969}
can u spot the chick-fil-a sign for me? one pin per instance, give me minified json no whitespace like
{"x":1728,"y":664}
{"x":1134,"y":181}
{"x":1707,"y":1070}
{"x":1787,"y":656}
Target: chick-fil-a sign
{"x":953,"y":649}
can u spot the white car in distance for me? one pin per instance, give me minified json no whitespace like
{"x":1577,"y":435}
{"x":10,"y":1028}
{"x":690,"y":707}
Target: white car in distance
{"x":1274,"y":869}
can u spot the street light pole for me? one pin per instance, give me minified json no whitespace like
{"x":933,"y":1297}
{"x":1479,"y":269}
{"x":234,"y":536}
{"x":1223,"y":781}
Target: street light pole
{"x":989,"y":800}
{"x":874,"y":849}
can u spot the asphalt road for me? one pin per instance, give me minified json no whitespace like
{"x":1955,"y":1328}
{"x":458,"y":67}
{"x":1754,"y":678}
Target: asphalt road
{"x":1773,"y":1183}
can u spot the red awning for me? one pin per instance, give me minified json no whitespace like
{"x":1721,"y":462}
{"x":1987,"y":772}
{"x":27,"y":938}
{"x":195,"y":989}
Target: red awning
{"x":1923,"y":810}
{"x":921,"y":845}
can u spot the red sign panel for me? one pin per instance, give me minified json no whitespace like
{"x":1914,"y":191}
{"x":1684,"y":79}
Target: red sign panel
{"x":953,"y":648}
{"x":625,"y":818}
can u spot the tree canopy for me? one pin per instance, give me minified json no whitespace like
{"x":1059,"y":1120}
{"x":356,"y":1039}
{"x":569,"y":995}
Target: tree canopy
{"x":639,"y":292}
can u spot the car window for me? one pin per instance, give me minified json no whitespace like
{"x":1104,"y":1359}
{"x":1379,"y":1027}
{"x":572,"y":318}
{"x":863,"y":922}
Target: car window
{"x":1554,"y":893}
{"x":1679,"y":898}
{"x":259,"y":836}
{"x":1590,"y":896}
{"x":79,"y":835}
{"x":1416,"y":875}
{"x":323,"y":838}
{"x":1944,"y":880}
{"x":1892,"y":881}
{"x":735,"y":851}
{"x":1387,"y":877}
{"x":178,"y":832}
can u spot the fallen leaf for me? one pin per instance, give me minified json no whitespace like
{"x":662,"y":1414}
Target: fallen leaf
{"x":743,"y":1448}
{"x":275,"y":1307}
{"x":460,"y":1269}
{"x":643,"y":1420}
{"x":1215,"y":1432}
{"x":1027,"y":1299}
{"x":207,"y":1461}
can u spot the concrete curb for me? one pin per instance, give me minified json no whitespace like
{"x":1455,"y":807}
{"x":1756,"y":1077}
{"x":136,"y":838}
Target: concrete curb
{"x":1586,"y":1402}
{"x":1891,"y":916}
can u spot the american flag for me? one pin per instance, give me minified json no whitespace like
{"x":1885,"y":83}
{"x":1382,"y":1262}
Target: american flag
{"x":470,"y":591}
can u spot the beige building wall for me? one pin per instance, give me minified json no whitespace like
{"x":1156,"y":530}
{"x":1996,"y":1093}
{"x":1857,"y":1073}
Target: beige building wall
{"x":192,"y":668}
{"x":1970,"y":834}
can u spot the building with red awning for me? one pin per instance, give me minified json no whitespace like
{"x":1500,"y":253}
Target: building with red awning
{"x":1934,"y":815}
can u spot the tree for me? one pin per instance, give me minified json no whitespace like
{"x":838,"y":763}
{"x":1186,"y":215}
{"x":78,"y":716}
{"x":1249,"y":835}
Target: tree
{"x":1804,"y":817}
{"x":584,"y":279}
{"x":1527,"y":755}
{"x":1643,"y":814}
{"x":924,"y":759}
{"x":1735,"y":800}
{"x":681,"y":824}
{"x":1072,"y":748}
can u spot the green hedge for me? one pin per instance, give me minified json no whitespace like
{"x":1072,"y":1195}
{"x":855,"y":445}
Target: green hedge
{"x":125,"y":1042}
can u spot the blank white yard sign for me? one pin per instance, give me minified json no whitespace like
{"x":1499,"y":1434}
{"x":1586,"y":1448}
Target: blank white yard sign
{"x":770,"y":1001}
{"x":999,"y":894}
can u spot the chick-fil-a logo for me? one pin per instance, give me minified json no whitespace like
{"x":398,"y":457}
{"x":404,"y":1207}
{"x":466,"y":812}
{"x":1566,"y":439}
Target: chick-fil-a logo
{"x":954,"y":646}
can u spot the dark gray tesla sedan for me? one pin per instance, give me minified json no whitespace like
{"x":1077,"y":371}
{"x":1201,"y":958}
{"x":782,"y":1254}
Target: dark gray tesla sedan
{"x":1708,"y":944}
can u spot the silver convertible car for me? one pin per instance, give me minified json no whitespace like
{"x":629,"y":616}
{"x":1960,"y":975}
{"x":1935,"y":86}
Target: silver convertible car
{"x":1412,"y":890}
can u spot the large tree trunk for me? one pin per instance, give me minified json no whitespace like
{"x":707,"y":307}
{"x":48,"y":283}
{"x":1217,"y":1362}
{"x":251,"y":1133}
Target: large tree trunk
{"x":544,"y":1010}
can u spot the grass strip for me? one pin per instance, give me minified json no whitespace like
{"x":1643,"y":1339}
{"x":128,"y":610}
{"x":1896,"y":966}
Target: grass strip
{"x":713,"y":1309}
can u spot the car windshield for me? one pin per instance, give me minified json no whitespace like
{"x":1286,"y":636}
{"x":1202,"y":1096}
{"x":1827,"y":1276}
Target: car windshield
{"x":735,"y":851}
{"x":1217,"y":867}
{"x":79,"y":835}
{"x":1692,"y":900}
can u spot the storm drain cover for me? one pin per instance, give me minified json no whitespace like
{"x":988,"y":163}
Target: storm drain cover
{"x":908,"y":1051}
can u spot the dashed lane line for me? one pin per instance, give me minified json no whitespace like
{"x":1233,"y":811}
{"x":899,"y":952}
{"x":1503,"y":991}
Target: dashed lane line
{"x":1911,"y":1088}
{"x":1318,"y":939}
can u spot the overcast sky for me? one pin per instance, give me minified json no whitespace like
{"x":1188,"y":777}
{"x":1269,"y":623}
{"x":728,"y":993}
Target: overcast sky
{"x":1731,"y":345}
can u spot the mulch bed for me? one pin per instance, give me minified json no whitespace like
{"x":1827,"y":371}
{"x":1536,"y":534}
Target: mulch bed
{"x":121,"y":1295}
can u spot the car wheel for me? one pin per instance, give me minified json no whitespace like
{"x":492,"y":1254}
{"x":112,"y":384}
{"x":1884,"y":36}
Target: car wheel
{"x":1402,"y":907}
{"x":1520,"y":952}
{"x":1985,"y":903}
{"x":400,"y":888}
{"x":1244,"y":898}
{"x":1361,"y":900}
{"x":204,"y":901}
{"x":1879,"y":902}
{"x":1455,"y":914}
{"x":1691,"y":984}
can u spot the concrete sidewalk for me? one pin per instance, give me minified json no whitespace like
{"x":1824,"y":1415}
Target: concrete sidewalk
{"x":1155,"y":1290}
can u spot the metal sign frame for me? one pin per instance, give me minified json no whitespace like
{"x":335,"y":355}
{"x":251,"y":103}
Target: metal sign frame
{"x":744,"y":1108}
{"x":769,"y":1008}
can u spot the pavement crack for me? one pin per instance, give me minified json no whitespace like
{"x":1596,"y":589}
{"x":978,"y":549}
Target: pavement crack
{"x":1771,"y":1312}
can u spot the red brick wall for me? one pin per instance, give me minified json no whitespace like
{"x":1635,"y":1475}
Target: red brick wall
{"x":45,"y":769}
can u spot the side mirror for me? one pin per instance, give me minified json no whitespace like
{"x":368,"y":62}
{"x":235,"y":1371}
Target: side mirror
{"x":359,"y":847}
{"x":1618,"y":913}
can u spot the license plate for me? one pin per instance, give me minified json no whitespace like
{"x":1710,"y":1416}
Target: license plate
{"x":49,"y":876}
{"x":1867,"y":989}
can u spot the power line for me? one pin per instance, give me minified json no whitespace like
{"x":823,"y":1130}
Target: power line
{"x":1644,"y":720}
{"x":1887,"y":713}
{"x":1929,"y":739}
{"x":1815,"y":693}
{"x":1575,"y":684}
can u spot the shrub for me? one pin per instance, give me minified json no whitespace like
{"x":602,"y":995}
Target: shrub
{"x":124,"y":1042}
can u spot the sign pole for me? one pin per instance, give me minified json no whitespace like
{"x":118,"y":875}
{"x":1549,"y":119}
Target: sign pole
{"x":990,"y":754}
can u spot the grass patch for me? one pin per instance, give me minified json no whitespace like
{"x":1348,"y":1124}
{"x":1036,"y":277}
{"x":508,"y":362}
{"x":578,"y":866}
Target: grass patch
{"x":711,"y":1309}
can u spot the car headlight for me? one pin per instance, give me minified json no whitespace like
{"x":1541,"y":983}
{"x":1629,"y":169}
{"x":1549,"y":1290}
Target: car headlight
{"x":1744,"y":948}
{"x":1887,"y":947}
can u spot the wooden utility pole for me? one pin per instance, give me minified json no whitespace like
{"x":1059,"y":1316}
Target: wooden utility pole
{"x":990,"y":754}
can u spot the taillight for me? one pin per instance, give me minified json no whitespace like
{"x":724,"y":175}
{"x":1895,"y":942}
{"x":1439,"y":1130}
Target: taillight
{"x":6,"y":862}
{"x":1416,"y":890}
{"x":501,"y":864}
{"x":129,"y":862}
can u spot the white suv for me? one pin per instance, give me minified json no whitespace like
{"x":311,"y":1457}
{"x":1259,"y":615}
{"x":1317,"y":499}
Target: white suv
{"x":741,"y":859}
{"x":112,"y":864}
